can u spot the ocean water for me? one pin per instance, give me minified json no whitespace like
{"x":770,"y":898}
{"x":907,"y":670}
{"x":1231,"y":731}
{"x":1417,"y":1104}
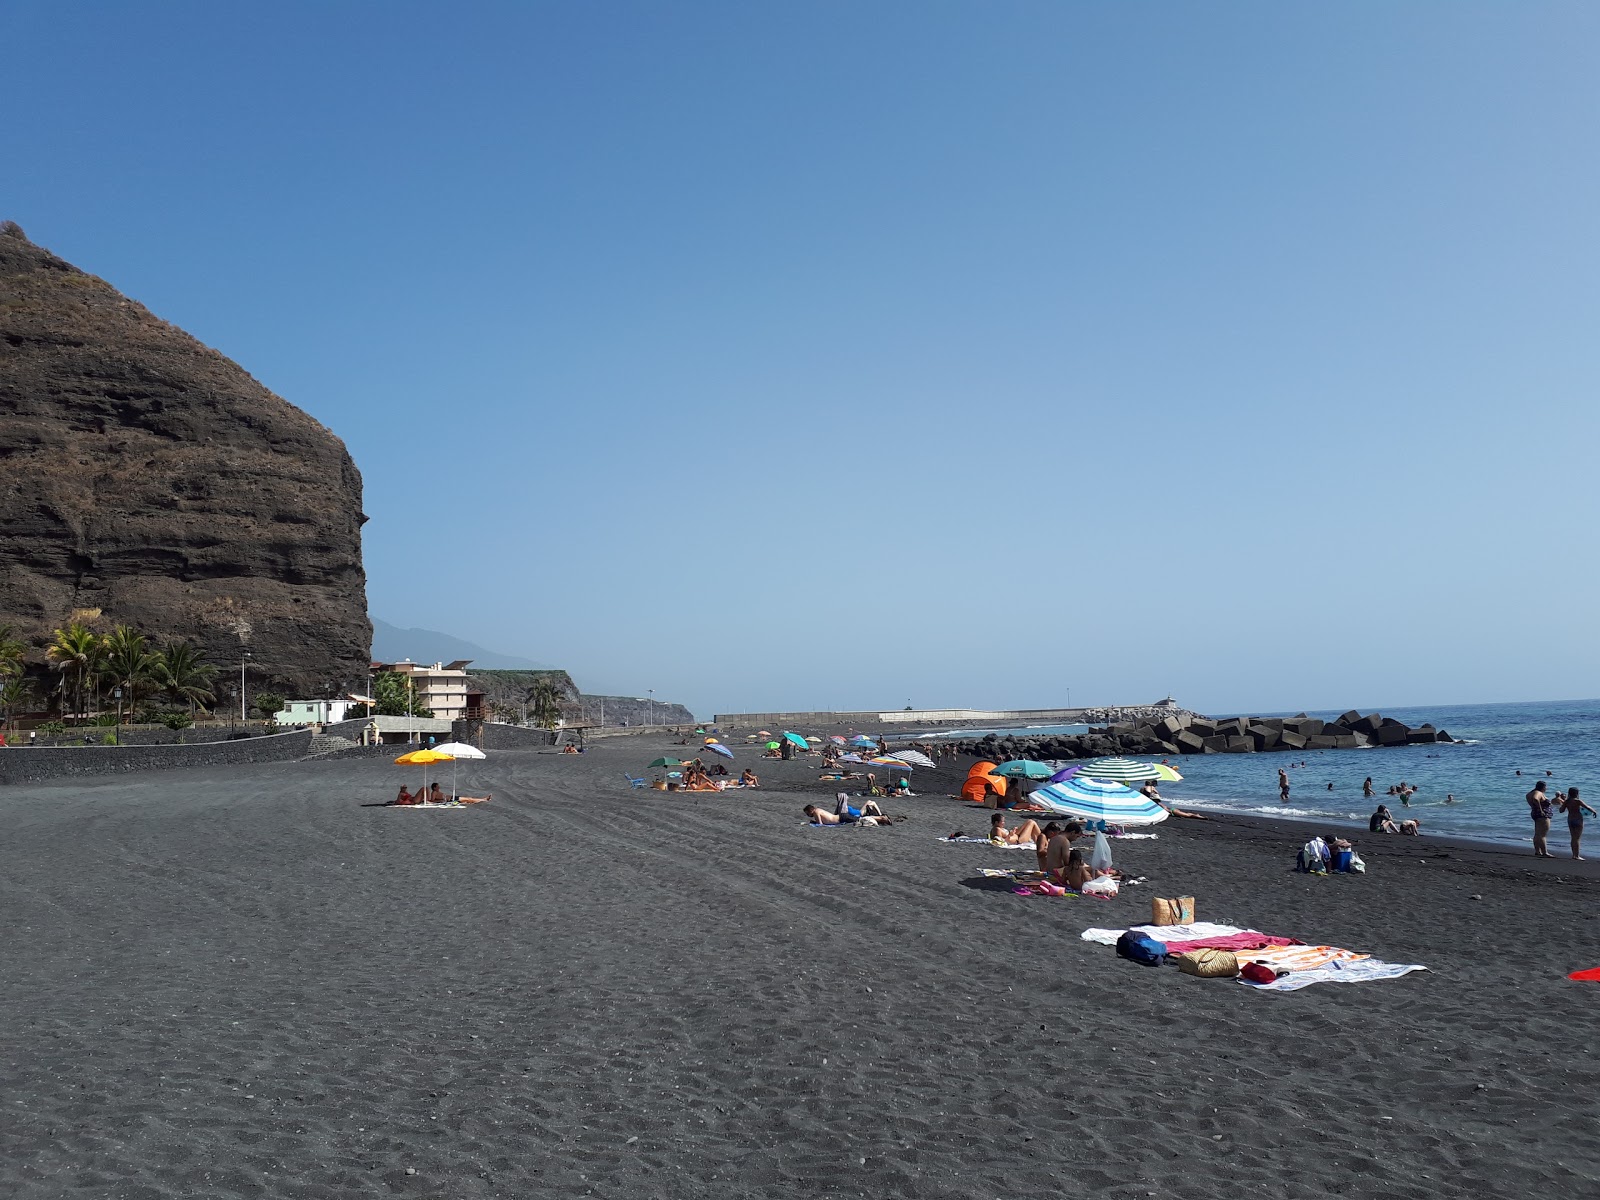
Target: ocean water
{"x":1480,"y":770}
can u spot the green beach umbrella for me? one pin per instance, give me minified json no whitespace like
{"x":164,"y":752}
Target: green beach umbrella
{"x":772,"y":745}
{"x":1024,"y":768}
{"x":667,"y":762}
{"x":1120,"y":770}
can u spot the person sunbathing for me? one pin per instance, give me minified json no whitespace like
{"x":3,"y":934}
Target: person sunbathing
{"x":406,"y":797}
{"x":900,"y":787}
{"x":474,"y":799}
{"x":436,"y":795}
{"x":1026,"y":834}
{"x":867,"y":814}
{"x":747,"y":778}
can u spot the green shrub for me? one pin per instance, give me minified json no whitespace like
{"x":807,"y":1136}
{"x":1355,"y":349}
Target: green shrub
{"x":51,"y":727}
{"x":108,"y":739}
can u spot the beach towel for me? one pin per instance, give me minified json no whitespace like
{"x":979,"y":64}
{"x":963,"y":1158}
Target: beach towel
{"x":1359,"y":969}
{"x":1589,"y":973}
{"x":1195,"y":929}
{"x":983,"y":841}
{"x":1133,"y":837}
{"x":1249,"y":940}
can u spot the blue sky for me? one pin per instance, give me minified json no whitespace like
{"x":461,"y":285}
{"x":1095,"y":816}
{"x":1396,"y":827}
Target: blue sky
{"x":838,"y":355}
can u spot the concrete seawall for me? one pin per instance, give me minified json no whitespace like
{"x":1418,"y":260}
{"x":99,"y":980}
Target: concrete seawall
{"x":33,"y":764}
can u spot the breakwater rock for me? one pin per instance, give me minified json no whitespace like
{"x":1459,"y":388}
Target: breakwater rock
{"x":150,"y":481}
{"x":1192,"y":734}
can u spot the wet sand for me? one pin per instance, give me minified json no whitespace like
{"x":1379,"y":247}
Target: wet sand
{"x":244,"y":983}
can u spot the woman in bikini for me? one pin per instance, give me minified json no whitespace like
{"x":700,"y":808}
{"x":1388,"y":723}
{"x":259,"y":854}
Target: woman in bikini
{"x":1539,"y":810}
{"x":1026,"y":835}
{"x":1575,"y":809}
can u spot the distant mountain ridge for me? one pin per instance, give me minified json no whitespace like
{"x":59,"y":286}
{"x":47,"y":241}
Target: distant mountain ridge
{"x":390,"y":643}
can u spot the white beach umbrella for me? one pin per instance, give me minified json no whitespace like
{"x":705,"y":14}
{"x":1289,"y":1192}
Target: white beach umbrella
{"x":915,"y":757}
{"x":458,"y":750}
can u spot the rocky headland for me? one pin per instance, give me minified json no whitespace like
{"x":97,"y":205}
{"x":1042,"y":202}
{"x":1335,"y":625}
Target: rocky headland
{"x":1188,"y":733}
{"x":149,"y":480}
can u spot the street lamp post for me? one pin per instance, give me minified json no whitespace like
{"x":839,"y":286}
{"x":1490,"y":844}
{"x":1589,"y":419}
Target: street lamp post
{"x":651,"y":692}
{"x":242,"y":661}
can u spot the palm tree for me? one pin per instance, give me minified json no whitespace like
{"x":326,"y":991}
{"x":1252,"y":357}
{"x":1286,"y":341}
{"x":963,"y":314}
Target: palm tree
{"x":11,"y":652}
{"x":14,"y":693}
{"x":128,"y":664}
{"x":545,"y":699}
{"x":76,"y":652}
{"x":183,"y":674}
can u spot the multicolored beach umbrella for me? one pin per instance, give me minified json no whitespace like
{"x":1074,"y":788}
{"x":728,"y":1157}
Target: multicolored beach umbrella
{"x":1119,"y":770}
{"x":719,"y":748}
{"x":797,"y":740}
{"x":862,"y":739}
{"x":837,"y":740}
{"x":1098,"y":800}
{"x":885,"y":760}
{"x":915,"y":758}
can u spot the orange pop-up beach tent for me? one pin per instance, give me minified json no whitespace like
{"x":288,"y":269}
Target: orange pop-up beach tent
{"x":980,"y":782}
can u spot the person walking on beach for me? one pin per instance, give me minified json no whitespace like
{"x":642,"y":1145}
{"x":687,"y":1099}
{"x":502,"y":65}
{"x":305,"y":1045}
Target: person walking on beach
{"x":1539,"y":810}
{"x":1575,"y":809}
{"x":1283,"y":785}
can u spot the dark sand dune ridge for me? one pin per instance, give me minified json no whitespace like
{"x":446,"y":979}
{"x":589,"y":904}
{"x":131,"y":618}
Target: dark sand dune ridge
{"x":243,"y":983}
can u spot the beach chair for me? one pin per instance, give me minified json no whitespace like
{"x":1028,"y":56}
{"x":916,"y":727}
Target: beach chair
{"x":638,"y":783}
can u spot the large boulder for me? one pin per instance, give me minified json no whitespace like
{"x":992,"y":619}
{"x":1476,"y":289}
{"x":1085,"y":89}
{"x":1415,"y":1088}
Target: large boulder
{"x":1189,"y":742}
{"x":1367,"y":724}
{"x":1422,"y":735}
{"x":150,"y":481}
{"x":1349,"y":719}
{"x":1389,"y":735}
{"x":1239,"y":744}
{"x":1290,"y":740}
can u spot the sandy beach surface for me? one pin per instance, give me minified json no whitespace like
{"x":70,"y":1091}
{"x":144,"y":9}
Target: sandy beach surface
{"x":245,"y":983}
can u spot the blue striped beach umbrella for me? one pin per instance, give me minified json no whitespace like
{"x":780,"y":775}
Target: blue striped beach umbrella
{"x":1098,"y":800}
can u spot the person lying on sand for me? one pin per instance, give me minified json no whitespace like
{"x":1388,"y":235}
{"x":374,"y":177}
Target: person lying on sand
{"x":868,"y":814}
{"x":900,"y":787}
{"x":1027,"y":833}
{"x":1150,"y":792}
{"x":406,"y":797}
{"x":474,"y":799}
{"x":747,"y":778}
{"x":436,"y":795}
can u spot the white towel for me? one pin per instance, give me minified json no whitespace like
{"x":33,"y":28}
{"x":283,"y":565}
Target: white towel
{"x":1166,"y":933}
{"x":1364,"y":970}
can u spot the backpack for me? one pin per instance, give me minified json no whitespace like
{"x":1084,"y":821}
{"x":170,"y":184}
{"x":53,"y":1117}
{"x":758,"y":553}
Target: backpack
{"x":1141,"y":948}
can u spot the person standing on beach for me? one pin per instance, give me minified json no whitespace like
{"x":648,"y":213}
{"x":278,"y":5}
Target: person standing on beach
{"x":1539,"y":810}
{"x":1575,"y":809}
{"x":1283,"y":785}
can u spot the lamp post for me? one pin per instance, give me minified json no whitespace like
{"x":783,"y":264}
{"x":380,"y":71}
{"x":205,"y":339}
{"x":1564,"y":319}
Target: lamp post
{"x":651,"y":692}
{"x":242,"y":661}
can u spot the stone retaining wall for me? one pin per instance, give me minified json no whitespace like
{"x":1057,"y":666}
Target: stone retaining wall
{"x":31,"y":764}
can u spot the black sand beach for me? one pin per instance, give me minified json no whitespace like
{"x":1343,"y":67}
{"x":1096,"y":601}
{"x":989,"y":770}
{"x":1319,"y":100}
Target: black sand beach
{"x":243,"y":983}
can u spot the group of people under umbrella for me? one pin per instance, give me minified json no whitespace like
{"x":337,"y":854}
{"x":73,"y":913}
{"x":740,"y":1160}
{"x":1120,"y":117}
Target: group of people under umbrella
{"x":434,"y":797}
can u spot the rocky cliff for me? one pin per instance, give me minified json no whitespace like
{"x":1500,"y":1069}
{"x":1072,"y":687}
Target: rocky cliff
{"x":148,"y":477}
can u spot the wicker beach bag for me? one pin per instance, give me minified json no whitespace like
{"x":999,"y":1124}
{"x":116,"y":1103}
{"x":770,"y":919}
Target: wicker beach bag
{"x":1171,"y":912}
{"x":1209,"y":964}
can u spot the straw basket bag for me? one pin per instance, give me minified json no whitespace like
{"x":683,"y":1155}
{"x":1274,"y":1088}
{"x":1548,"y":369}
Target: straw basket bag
{"x":1209,"y":964}
{"x":1171,"y":912}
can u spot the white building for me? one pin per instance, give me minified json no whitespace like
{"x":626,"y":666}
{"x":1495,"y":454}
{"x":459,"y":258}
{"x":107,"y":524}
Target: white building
{"x":441,"y":688}
{"x":312,"y":712}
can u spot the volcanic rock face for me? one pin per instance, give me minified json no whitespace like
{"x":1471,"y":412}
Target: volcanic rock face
{"x":147,"y":476}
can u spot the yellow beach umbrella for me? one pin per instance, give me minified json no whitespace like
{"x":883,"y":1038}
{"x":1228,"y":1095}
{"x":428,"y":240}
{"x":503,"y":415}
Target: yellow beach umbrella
{"x":1168,"y":774}
{"x":422,"y":758}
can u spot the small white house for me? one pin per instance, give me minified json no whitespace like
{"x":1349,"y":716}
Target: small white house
{"x":312,"y":712}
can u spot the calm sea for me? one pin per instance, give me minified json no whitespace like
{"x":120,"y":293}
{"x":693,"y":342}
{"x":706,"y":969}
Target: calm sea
{"x":1498,"y":740}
